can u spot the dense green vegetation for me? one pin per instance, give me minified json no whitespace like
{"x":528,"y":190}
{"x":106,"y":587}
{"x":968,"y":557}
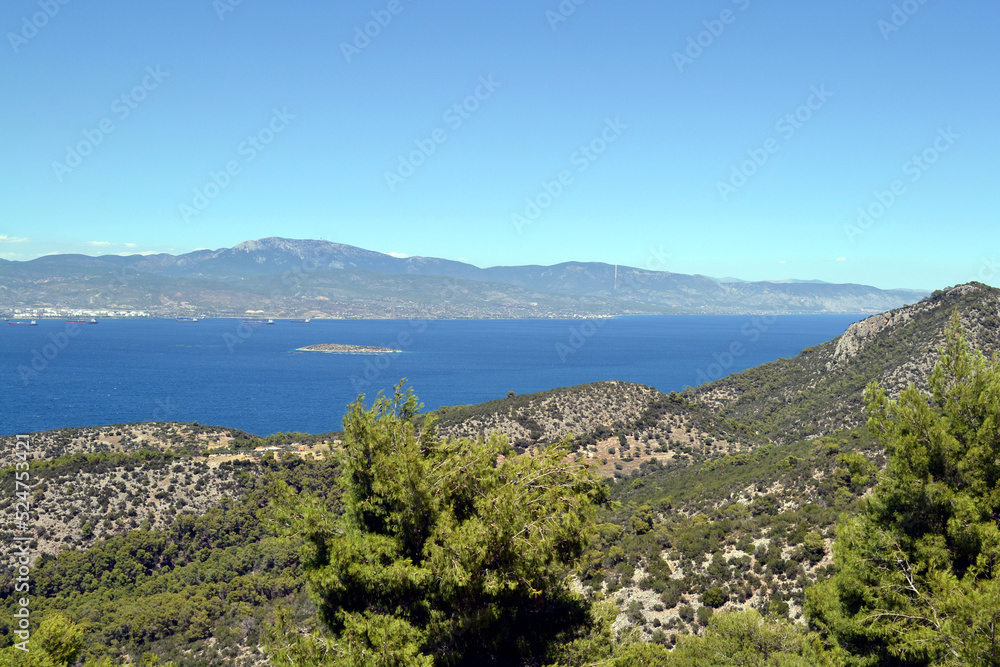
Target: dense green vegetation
{"x":456,"y":552}
{"x":918,"y":577}
{"x":220,"y":575}
{"x":448,"y":552}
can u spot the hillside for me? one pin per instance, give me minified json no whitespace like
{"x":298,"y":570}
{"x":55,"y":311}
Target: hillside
{"x":816,"y":392}
{"x":820,"y":390}
{"x":620,"y":426}
{"x":308,"y":278}
{"x":744,"y":531}
{"x":206,"y":549}
{"x":158,"y":537}
{"x":98,"y":482}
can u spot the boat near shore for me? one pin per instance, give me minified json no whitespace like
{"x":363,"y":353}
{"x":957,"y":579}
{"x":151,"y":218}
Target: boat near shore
{"x":90,"y":321}
{"x":22,"y":323}
{"x":258,"y":322}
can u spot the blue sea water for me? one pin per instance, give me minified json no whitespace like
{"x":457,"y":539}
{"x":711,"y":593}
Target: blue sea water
{"x":221,"y":372}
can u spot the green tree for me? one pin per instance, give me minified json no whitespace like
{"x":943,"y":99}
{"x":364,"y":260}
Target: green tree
{"x":746,"y":638}
{"x":447,"y":551}
{"x":56,"y":643}
{"x":918,"y":578}
{"x":714,"y":597}
{"x":643,"y":519}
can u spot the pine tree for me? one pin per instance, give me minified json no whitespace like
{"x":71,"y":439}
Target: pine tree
{"x":448,"y":552}
{"x":918,"y":579}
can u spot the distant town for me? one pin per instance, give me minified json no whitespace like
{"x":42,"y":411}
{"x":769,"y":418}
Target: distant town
{"x":386,"y":312}
{"x":59,"y":313}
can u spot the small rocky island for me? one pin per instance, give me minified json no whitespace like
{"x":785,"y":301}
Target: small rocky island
{"x":337,"y":348}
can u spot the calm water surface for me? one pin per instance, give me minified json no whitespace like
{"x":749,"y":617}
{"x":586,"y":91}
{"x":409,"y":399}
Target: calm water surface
{"x":218,"y":371}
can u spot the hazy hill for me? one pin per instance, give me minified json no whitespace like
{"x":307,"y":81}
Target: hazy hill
{"x":296,"y":278}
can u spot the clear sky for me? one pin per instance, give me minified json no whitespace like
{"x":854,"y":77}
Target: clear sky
{"x":726,"y":137}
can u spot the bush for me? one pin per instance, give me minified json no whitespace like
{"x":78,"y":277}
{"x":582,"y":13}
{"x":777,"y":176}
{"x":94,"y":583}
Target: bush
{"x":714,"y":597}
{"x":671,"y":595}
{"x":813,"y":547}
{"x":686,"y":612}
{"x":767,"y":505}
{"x":634,"y":613}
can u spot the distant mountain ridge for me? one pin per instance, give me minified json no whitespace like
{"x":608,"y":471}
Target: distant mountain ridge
{"x":311,"y":278}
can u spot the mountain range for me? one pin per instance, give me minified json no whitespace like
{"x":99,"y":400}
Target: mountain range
{"x":279,"y":277}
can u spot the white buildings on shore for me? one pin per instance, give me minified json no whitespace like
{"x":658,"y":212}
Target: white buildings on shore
{"x":58,"y":313}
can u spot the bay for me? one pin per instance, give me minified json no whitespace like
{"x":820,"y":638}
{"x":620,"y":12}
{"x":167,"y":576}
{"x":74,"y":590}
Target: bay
{"x":222,"y":372}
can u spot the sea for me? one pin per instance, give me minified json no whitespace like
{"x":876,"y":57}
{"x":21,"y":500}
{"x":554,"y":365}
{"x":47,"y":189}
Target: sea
{"x":223,"y":372}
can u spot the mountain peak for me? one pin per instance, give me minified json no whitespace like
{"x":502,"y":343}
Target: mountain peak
{"x":969,"y":288}
{"x":296,"y":246}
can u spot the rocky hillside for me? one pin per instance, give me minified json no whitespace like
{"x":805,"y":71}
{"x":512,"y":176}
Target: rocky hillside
{"x":93,"y":483}
{"x":619,"y":425}
{"x":123,"y":438}
{"x":744,"y":531}
{"x":820,"y":390}
{"x":754,"y":529}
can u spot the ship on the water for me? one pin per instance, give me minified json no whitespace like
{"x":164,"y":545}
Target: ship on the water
{"x":301,"y":320}
{"x":258,"y":322}
{"x":90,"y":321}
{"x":21,"y":323}
{"x":185,"y":319}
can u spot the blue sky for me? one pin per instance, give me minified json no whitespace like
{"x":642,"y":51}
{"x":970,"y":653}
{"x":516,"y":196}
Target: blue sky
{"x":727,"y":137}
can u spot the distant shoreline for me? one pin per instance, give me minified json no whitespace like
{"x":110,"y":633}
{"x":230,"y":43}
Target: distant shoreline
{"x":336,"y":348}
